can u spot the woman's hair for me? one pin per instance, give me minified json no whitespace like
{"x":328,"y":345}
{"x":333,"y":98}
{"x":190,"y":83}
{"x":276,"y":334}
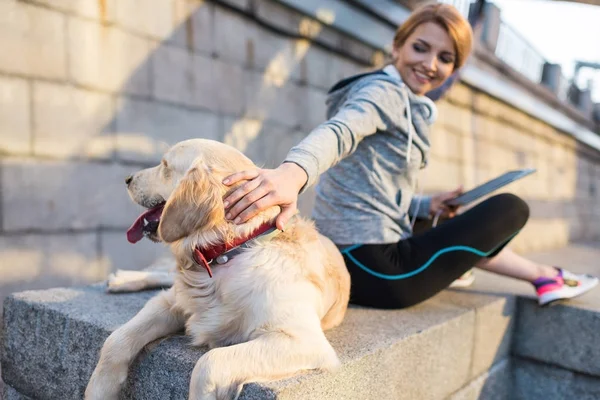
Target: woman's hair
{"x":448,"y":18}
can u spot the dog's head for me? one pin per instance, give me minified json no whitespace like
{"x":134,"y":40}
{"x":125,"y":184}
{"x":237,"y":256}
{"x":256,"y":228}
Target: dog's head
{"x":184,"y":193}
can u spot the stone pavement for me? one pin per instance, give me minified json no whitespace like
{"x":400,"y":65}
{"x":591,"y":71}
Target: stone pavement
{"x":479,"y":343}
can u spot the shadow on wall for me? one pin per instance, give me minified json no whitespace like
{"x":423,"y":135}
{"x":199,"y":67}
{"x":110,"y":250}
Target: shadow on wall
{"x":137,"y":83}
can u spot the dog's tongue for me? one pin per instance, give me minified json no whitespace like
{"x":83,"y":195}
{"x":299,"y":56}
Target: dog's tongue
{"x":136,"y":232}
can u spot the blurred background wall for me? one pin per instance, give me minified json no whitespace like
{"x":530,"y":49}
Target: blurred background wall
{"x":92,"y":90}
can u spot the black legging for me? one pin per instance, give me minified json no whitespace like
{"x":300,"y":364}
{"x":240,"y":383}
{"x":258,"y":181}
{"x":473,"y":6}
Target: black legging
{"x":402,"y":274}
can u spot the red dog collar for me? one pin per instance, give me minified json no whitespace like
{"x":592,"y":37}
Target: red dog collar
{"x":224,"y":252}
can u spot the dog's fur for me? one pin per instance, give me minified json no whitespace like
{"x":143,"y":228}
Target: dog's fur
{"x":262,"y":314}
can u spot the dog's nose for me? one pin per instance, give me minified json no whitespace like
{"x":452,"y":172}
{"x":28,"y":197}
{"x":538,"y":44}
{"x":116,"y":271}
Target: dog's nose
{"x":128,"y":180}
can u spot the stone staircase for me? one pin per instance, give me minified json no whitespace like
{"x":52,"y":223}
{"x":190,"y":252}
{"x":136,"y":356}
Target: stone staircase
{"x":488,"y":342}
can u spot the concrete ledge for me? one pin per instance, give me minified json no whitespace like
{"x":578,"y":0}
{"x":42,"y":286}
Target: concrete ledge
{"x":426,"y":351}
{"x":490,"y":341}
{"x":536,"y":381}
{"x":572,"y":329}
{"x":493,"y":384}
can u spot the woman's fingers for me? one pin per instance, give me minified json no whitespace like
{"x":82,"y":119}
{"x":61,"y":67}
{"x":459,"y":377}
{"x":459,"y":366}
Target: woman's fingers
{"x":240,"y":192}
{"x":284,"y":216}
{"x":241,"y":176}
{"x":239,"y":212}
{"x":257,"y":206}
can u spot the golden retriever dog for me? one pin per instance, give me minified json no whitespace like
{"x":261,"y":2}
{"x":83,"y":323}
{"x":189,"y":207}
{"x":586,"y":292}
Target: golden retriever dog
{"x":261,"y":309}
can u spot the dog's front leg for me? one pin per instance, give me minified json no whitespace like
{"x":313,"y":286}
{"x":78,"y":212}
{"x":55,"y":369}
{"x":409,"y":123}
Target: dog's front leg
{"x":157,"y":319}
{"x":221,"y":373}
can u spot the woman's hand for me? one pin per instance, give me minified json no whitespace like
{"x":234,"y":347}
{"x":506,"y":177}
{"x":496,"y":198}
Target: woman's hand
{"x":438,"y":206}
{"x":265,"y":188}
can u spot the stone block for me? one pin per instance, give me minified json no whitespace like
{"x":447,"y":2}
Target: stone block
{"x":118,"y":253}
{"x":51,"y":195}
{"x":15,"y":129}
{"x":342,"y":68}
{"x":155,"y":21}
{"x":146,"y":129}
{"x":461,"y":94}
{"x":494,"y":384}
{"x":72,"y":123}
{"x":41,"y":261}
{"x":440,"y":175}
{"x":32,"y":40}
{"x":232,"y":35}
{"x":535,"y":381}
{"x":181,"y":77}
{"x":59,"y":347}
{"x":445,"y":144}
{"x":103,"y":10}
{"x":572,"y":329}
{"x":265,"y":143}
{"x":316,"y":68}
{"x":11,"y":394}
{"x":494,"y":321}
{"x":228,"y":80}
{"x":108,"y":58}
{"x":280,"y":16}
{"x":270,"y":99}
{"x":314,"y":100}
{"x":194,"y":26}
{"x":279,"y":57}
{"x":59,"y":332}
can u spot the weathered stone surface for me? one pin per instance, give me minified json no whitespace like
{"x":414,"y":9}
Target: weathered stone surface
{"x":146,"y":129}
{"x":41,"y":261}
{"x":29,"y":34}
{"x":108,"y":58}
{"x":15,"y":129}
{"x":100,"y":10}
{"x":155,"y":21}
{"x":66,"y":328}
{"x":47,"y":195}
{"x":118,"y":253}
{"x":533,"y":381}
{"x":494,"y":384}
{"x":86,"y":132}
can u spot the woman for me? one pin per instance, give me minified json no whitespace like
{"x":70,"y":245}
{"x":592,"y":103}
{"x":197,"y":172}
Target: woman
{"x":367,"y":157}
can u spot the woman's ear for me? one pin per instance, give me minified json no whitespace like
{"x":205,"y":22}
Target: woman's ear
{"x":196,"y":204}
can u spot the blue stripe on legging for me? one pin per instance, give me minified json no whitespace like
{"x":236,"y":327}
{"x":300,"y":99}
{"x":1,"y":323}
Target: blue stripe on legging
{"x":469,"y":249}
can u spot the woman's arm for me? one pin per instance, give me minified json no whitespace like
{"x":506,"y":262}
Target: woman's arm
{"x":371,"y":108}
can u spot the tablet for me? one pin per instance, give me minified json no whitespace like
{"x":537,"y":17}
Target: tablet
{"x":489,"y":187}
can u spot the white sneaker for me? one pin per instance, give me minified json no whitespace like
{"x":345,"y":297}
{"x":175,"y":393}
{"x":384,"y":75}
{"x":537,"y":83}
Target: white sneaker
{"x":565,"y":285}
{"x":465,"y":280}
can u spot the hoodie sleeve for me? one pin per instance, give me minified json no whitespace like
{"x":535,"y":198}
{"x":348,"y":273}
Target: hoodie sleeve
{"x":371,"y":108}
{"x":420,"y":206}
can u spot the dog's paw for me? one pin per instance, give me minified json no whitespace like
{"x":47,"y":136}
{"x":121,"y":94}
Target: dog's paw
{"x":124,"y":281}
{"x":105,"y":383}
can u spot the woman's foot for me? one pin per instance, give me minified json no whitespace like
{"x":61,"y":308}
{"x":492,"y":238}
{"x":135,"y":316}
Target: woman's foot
{"x":565,"y":285}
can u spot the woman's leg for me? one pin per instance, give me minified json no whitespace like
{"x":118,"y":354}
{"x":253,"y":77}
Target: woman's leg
{"x":511,"y":264}
{"x":413,"y":270}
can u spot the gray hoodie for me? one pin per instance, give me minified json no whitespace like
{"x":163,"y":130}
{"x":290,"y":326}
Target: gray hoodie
{"x":368,"y":154}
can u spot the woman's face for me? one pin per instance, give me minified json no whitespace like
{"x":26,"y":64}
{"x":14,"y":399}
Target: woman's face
{"x":426,"y":59}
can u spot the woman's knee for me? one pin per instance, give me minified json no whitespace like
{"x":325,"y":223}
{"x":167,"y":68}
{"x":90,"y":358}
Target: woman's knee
{"x":510,"y":207}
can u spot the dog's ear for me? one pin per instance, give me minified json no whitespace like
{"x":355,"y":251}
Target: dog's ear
{"x":196,"y":204}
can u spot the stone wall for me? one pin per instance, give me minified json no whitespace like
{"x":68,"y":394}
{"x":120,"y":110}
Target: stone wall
{"x":91,"y":90}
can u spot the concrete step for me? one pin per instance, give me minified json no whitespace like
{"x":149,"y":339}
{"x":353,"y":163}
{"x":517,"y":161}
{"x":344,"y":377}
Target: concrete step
{"x":444,"y":347}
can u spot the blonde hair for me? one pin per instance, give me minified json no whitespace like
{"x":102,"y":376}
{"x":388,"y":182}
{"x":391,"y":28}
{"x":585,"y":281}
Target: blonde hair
{"x":449,"y":18}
